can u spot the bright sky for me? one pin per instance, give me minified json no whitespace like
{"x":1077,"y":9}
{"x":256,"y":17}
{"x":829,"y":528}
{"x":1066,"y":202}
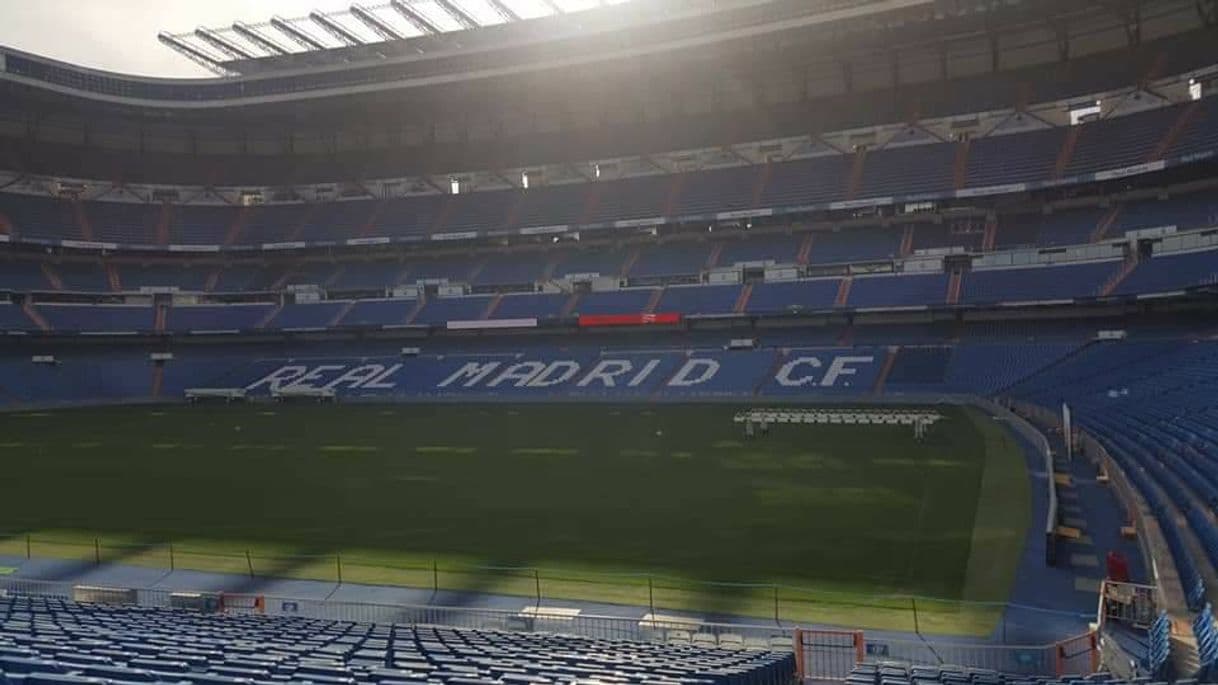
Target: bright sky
{"x":121,"y":35}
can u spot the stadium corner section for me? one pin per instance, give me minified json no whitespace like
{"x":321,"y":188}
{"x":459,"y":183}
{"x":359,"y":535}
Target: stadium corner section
{"x":933,"y":560}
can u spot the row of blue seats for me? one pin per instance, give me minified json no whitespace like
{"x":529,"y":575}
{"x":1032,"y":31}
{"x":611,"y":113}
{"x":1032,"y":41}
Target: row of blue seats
{"x":1050,"y":283}
{"x":54,"y":640}
{"x":34,"y":217}
{"x":918,"y":163}
{"x":555,"y":370}
{"x":1151,"y":405}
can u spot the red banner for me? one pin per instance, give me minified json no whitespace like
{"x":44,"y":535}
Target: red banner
{"x":590,"y":320}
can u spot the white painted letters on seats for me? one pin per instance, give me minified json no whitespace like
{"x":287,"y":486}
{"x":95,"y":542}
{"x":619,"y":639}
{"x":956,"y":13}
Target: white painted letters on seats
{"x":686,"y":376}
{"x":379,"y":383}
{"x":643,"y":373}
{"x":784,"y":377}
{"x":316,"y":374}
{"x":555,"y":374}
{"x":606,"y":370}
{"x":472,"y":373}
{"x":839,"y":368}
{"x":277,"y":378}
{"x":356,"y":376}
{"x":521,"y":373}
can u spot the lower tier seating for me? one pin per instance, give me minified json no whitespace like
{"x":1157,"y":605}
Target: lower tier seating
{"x":57,"y":641}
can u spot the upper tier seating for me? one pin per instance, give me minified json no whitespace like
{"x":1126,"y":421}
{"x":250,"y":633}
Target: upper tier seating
{"x":787,"y":296}
{"x":671,"y":259}
{"x":1169,"y":272}
{"x":1013,"y":158}
{"x":441,"y":309}
{"x":1037,"y":282}
{"x":22,"y":275}
{"x":911,"y":170}
{"x":531,"y":305}
{"x":379,"y":313}
{"x":1041,"y":283}
{"x":238,"y":317}
{"x":1063,"y":227}
{"x":629,"y":301}
{"x":81,"y":643}
{"x":899,"y":290}
{"x":83,"y":277}
{"x":512,"y":268}
{"x":377,"y":275}
{"x":183,"y":277}
{"x":899,"y":169}
{"x":855,"y":245}
{"x":699,"y":299}
{"x":779,"y":249}
{"x":112,"y":318}
{"x":12,"y":318}
{"x":1185,"y":212}
{"x":1137,"y":135}
{"x":307,"y":315}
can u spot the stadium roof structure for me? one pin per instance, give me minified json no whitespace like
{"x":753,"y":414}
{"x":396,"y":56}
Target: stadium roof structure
{"x":363,"y":31}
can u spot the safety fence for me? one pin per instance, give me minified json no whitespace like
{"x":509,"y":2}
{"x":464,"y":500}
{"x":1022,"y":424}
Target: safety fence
{"x":1014,"y":413}
{"x":425,"y":581}
{"x":820,"y":654}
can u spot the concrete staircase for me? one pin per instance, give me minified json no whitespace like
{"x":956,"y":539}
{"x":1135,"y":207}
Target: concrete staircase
{"x":270,"y":316}
{"x":162,"y":224}
{"x":112,"y":277}
{"x":890,"y":361}
{"x":843,"y":291}
{"x":805,"y":249}
{"x":960,"y":164}
{"x":1066,"y":153}
{"x":1105,"y":223}
{"x":763,"y":179}
{"x":82,"y":220}
{"x":418,"y":307}
{"x":1178,"y":127}
{"x":954,"y":284}
{"x":369,"y":226}
{"x":1128,"y":267}
{"x":855,"y":180}
{"x":342,"y":314}
{"x":652,"y":303}
{"x":158,"y":380}
{"x":742,"y":301}
{"x":907,"y":240}
{"x":239,"y":220}
{"x":161,"y":317}
{"x":628,"y":265}
{"x":569,"y":306}
{"x":491,"y":307}
{"x":34,"y":316}
{"x":52,"y":278}
{"x":990,"y":237}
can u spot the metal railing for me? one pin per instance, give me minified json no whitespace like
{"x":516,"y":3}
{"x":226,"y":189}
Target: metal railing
{"x":422,"y":582}
{"x":820,"y":654}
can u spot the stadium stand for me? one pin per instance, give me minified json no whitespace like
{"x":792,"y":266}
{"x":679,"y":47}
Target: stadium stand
{"x":378,"y":313}
{"x":1041,"y":283}
{"x":1021,"y":219}
{"x":51,"y":640}
{"x":237,"y":317}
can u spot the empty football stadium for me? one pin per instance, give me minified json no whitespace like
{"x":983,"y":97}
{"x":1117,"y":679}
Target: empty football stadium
{"x":637,"y":342}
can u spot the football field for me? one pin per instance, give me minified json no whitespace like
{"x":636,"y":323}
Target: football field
{"x":633,"y":504}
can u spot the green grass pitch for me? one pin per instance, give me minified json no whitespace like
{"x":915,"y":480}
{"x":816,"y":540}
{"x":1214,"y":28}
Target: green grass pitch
{"x":599,"y":498}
